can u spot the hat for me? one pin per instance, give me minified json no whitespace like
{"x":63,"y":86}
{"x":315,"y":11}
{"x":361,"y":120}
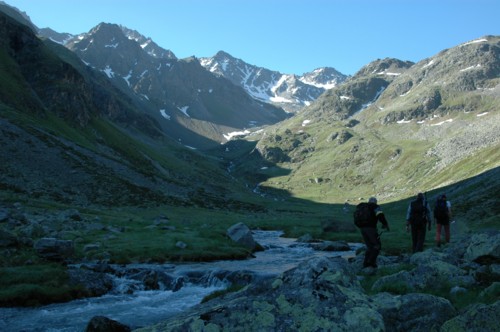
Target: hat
{"x":372,"y":200}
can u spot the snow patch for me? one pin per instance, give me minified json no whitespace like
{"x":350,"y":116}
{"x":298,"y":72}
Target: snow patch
{"x":364,"y":106}
{"x":471,"y":67}
{"x":326,"y":86}
{"x":126,"y":78}
{"x":429,"y":64}
{"x":475,"y":41}
{"x":441,"y":123}
{"x":108,"y":71}
{"x":164,"y":114}
{"x":184,"y":110}
{"x":388,"y":73}
{"x":278,"y":99}
{"x":404,"y":121}
{"x":305,"y":122}
{"x":345,"y":97}
{"x":229,"y":136}
{"x":482,"y":114}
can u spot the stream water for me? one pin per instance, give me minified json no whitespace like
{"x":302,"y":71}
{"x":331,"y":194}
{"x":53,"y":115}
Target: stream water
{"x":147,"y":307}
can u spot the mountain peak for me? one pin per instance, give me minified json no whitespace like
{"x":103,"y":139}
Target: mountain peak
{"x":289,"y":91}
{"x":148,"y":44}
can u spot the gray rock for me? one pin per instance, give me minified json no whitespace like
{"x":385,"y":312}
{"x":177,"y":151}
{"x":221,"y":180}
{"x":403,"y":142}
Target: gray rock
{"x":104,"y":324}
{"x":484,"y":248}
{"x":181,"y":245}
{"x":155,"y":280}
{"x":413,"y":312}
{"x":332,"y":246}
{"x":54,"y":249}
{"x":477,"y":317}
{"x":491,"y":292}
{"x":93,"y":283}
{"x":322,"y":294}
{"x":241,"y":234}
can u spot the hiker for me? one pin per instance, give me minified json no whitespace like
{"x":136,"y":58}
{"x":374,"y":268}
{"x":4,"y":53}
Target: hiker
{"x":368,"y":227}
{"x":418,"y":218}
{"x":442,"y":217}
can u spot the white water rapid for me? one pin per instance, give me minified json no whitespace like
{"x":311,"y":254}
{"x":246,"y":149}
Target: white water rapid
{"x":147,"y":307}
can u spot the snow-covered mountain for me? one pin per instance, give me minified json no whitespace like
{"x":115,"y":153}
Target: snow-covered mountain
{"x":191,"y":104}
{"x":289,"y":91}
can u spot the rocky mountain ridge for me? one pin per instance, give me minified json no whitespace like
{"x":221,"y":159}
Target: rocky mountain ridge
{"x":289,"y":91}
{"x":190,"y":104}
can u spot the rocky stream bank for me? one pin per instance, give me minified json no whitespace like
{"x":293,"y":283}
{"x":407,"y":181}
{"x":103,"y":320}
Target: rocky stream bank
{"x":326,"y":294}
{"x":407,"y":293}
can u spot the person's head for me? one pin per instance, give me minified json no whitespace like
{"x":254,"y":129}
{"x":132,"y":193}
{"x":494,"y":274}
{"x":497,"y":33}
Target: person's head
{"x":443,"y":197}
{"x":420,"y":196}
{"x":372,"y":200}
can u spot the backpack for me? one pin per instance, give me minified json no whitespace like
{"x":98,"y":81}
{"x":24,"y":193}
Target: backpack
{"x":441,"y":209}
{"x":363,"y":215}
{"x":418,"y":215}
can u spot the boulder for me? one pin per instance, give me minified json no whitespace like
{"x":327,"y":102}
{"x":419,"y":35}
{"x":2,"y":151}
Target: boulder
{"x":93,"y":283}
{"x":104,"y":324}
{"x":155,"y":280}
{"x":424,"y":277}
{"x":476,"y":317}
{"x":413,"y":312}
{"x":484,"y":248}
{"x":322,"y":294}
{"x":53,"y":249}
{"x":332,"y":246}
{"x":241,"y":234}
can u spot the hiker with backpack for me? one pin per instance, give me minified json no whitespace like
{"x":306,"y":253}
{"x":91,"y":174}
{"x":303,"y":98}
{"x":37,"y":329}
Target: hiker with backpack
{"x":418,"y":218}
{"x":442,"y":216}
{"x":366,"y":216}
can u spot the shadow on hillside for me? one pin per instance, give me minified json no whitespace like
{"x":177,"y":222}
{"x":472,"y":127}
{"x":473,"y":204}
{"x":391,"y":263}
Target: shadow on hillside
{"x":474,"y":198}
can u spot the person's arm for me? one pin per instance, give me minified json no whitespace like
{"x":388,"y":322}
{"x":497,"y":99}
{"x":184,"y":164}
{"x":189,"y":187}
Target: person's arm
{"x":408,"y":213}
{"x":381,"y":217}
{"x":428,"y":214}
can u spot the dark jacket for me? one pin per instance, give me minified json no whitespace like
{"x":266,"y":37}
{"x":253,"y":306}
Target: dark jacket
{"x":410,"y":212}
{"x":379,"y":216}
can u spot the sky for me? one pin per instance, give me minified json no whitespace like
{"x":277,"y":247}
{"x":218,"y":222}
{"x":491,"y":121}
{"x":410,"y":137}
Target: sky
{"x":289,"y":36}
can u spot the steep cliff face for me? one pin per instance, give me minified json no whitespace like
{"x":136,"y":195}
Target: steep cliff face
{"x":39,"y":77}
{"x":41,"y":81}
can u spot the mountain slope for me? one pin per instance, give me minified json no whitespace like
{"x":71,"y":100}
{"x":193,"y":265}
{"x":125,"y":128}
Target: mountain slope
{"x":288,"y":91}
{"x":369,"y":136}
{"x":190,"y":104}
{"x":68,"y":136}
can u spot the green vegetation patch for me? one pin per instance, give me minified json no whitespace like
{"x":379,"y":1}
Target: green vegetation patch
{"x":33,"y":285}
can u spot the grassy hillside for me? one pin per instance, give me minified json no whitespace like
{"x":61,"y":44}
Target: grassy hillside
{"x":69,"y":141}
